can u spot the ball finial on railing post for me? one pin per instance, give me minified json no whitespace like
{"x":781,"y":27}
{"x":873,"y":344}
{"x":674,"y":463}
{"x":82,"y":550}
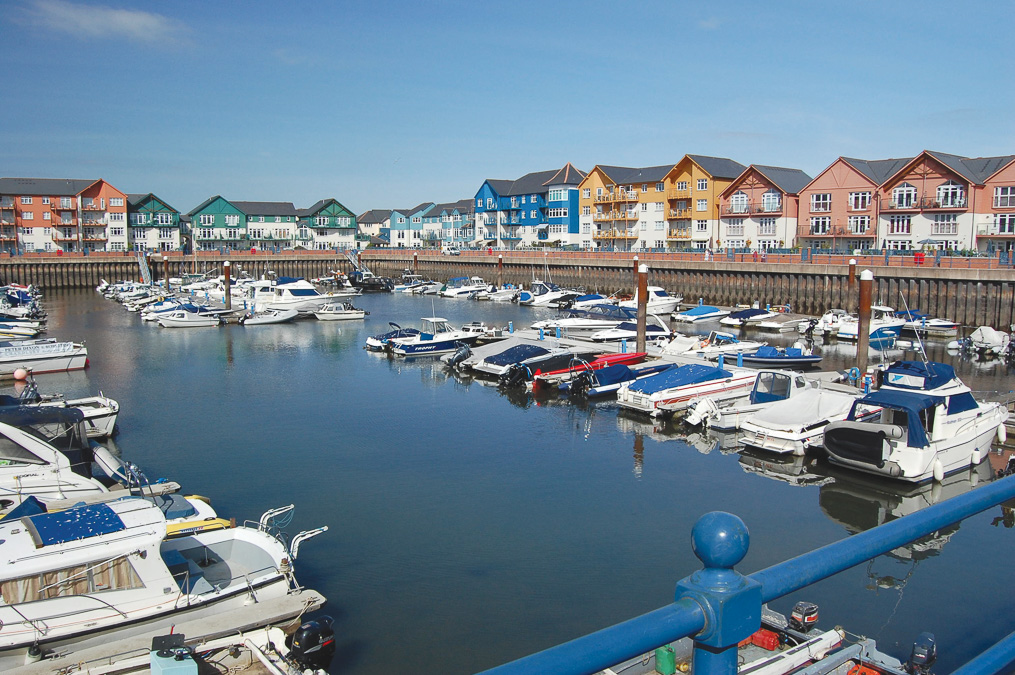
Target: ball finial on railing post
{"x":720,"y":540}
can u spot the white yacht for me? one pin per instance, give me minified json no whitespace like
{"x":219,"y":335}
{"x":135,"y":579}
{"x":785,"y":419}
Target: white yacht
{"x":883,"y":324}
{"x":545,"y":294}
{"x":463,"y":287}
{"x":71,"y":579}
{"x":659,"y":301}
{"x":44,"y":355}
{"x":290,"y":293}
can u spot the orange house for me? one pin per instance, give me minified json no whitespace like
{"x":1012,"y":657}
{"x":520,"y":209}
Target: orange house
{"x":759,"y":208}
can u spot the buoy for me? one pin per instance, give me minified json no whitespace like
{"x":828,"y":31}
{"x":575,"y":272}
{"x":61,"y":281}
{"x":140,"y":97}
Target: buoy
{"x":939,"y":471}
{"x":21,"y":374}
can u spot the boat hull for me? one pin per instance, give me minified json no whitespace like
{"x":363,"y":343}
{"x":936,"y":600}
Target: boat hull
{"x":57,"y":360}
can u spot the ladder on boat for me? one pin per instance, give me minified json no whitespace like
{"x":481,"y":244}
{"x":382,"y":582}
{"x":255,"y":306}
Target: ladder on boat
{"x":142,"y":261}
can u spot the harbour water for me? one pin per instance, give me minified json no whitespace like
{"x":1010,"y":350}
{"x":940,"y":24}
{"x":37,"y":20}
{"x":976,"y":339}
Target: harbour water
{"x":469,"y":526}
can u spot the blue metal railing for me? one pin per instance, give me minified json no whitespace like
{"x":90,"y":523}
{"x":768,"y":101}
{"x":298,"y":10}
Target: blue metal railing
{"x":720,"y":607}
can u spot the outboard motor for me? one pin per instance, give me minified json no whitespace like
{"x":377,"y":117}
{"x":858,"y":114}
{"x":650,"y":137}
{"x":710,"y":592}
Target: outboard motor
{"x":809,"y":331}
{"x":581,"y":383}
{"x":515,"y":376}
{"x":923,"y":656}
{"x":804,"y":616}
{"x":463,"y":352}
{"x":314,"y":644}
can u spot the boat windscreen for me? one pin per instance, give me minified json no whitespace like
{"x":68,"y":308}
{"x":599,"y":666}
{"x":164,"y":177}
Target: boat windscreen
{"x":12,"y":453}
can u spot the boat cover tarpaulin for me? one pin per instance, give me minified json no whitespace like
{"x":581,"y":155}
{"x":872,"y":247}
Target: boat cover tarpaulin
{"x":912,"y":403}
{"x":769,"y":352}
{"x":800,"y":412}
{"x":73,"y":524}
{"x":516,"y":354}
{"x":919,"y":375}
{"x":679,"y":376}
{"x":699,"y":310}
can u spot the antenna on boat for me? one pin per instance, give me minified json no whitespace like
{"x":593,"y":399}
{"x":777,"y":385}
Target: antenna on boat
{"x":919,"y":340}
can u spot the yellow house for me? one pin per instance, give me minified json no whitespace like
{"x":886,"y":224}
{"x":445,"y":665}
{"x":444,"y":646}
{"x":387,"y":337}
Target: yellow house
{"x":693,"y":187}
{"x":624,"y":208}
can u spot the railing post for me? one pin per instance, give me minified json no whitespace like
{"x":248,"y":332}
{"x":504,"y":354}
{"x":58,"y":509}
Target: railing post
{"x":730,"y":601}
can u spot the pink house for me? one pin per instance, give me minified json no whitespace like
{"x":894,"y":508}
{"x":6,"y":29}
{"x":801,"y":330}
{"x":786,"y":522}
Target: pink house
{"x":759,"y":208}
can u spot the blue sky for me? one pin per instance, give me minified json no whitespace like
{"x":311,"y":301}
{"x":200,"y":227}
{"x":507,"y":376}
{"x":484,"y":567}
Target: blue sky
{"x":387,"y":104}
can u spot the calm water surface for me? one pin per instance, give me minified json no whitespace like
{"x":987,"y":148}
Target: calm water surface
{"x":469,"y":527}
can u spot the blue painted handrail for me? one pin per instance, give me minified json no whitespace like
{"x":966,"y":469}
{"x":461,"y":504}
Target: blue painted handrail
{"x":720,"y":607}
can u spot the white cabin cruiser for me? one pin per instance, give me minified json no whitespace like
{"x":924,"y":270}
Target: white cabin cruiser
{"x":678,"y":387}
{"x":748,"y":317}
{"x":545,"y":294}
{"x":883,"y":324}
{"x":436,"y":336}
{"x":655,"y":329}
{"x":182,"y":318}
{"x":796,"y":425}
{"x":291,"y":293}
{"x":921,"y":424}
{"x":659,"y":301}
{"x":717,"y":343}
{"x":44,"y":355}
{"x":586,"y":321}
{"x":770,"y":386}
{"x":700,"y":313}
{"x":463,"y":287}
{"x":73,"y":578}
{"x":340,"y":311}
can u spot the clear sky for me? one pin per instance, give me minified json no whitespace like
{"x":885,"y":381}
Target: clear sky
{"x":386,"y":104}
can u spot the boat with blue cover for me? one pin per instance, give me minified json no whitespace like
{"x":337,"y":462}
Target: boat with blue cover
{"x":747,"y":317}
{"x":655,"y":328}
{"x":584,"y":321}
{"x":608,"y":380}
{"x":700,"y":313}
{"x":781,"y":357}
{"x":436,"y":336}
{"x":919,"y":323}
{"x":674,"y":389}
{"x":379,"y":343}
{"x":921,"y":424}
{"x":541,"y":357}
{"x":545,"y":294}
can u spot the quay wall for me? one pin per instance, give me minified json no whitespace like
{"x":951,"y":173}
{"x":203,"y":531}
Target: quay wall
{"x":972,"y":297}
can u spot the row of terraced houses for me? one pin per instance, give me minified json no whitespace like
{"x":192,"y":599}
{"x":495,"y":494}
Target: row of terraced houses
{"x":931,"y":201}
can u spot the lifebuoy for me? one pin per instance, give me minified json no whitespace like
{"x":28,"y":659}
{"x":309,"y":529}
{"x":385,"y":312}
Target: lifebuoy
{"x":854,"y":373}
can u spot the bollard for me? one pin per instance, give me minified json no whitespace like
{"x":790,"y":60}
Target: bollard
{"x":864,"y":319}
{"x":540,"y":333}
{"x":740,"y":359}
{"x":701,"y":301}
{"x":511,"y":326}
{"x":558,"y":332}
{"x":623,"y":346}
{"x":722,"y":361}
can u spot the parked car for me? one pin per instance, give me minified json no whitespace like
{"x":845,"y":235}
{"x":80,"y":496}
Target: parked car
{"x":450,"y":250}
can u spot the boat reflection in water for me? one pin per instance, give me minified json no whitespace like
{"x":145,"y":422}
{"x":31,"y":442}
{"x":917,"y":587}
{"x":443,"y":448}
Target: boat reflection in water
{"x":859,"y":502}
{"x":792,"y":469}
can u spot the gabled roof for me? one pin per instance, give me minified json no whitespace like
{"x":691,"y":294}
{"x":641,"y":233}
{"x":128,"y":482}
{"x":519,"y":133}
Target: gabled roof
{"x":624,"y":175}
{"x":718,"y":167}
{"x":205,"y":203}
{"x":501,"y":187}
{"x":878,"y":170}
{"x":52,"y":187}
{"x":266,"y":208}
{"x":320,"y":204}
{"x":135,"y":200}
{"x":985,"y":167}
{"x":567,"y":175}
{"x":790,"y":181}
{"x":373,"y":217}
{"x":425,"y":206}
{"x":462,"y":206}
{"x":976,"y":171}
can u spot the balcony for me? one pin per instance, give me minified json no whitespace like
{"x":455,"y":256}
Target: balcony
{"x":679,"y":213}
{"x":674,"y":193}
{"x":614,"y":234}
{"x":952,"y":203}
{"x":681,"y":234}
{"x":92,"y":207}
{"x":747,"y":210}
{"x":96,"y":236}
{"x":64,"y":236}
{"x":618,"y":196}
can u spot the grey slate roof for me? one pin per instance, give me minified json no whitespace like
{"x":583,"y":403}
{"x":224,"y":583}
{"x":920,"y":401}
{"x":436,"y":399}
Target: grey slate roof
{"x":878,"y":170}
{"x":567,"y":175}
{"x":718,"y":167}
{"x":45,"y":187}
{"x":985,"y":167}
{"x":790,"y":181}
{"x":463,"y":206}
{"x":425,"y":206}
{"x":134,"y":200}
{"x":624,"y":175}
{"x":373,"y":216}
{"x":973,"y":170}
{"x":266,"y":208}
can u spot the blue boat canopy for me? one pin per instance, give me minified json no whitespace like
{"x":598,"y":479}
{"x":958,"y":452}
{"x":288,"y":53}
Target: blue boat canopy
{"x":699,"y":310}
{"x":911,"y":403}
{"x":748,"y":313}
{"x":516,"y":354}
{"x":770,"y":352}
{"x":918,"y":375}
{"x":679,"y":376}
{"x":288,"y":280}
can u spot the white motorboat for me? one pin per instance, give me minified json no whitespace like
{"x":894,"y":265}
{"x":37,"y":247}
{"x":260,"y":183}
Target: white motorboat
{"x":436,"y":336}
{"x":700,"y":313}
{"x":340,"y":311}
{"x":74,"y":578}
{"x":182,"y":318}
{"x":531,"y":359}
{"x":545,"y":294}
{"x":884,"y":324}
{"x":796,"y":425}
{"x":659,"y":301}
{"x":677,"y":388}
{"x":290,"y":293}
{"x":463,"y":287}
{"x":655,"y":329}
{"x":590,"y":300}
{"x":269,"y":316}
{"x":920,"y":324}
{"x":770,"y":387}
{"x":507,"y":294}
{"x":587,"y":321}
{"x":748,"y":317}
{"x":922,"y":423}
{"x":44,"y":355}
{"x":828,"y":323}
{"x":716,"y":343}
{"x":99,"y":411}
{"x":984,"y":341}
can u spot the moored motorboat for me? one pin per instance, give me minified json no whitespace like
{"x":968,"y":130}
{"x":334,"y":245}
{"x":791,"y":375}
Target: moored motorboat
{"x":747,"y":317}
{"x":675,"y":389}
{"x":700,"y":313}
{"x":556,"y":377}
{"x":607,"y":381}
{"x":717,"y":343}
{"x":770,"y":386}
{"x":463,"y":287}
{"x":269,"y":316}
{"x":658,"y":302}
{"x":43,"y":355}
{"x":796,"y":425}
{"x":923,"y":423}
{"x":435,"y":336}
{"x":379,"y":343}
{"x":340,"y":311}
{"x":920,"y":324}
{"x":883,"y":324}
{"x":181,"y":318}
{"x":797,"y":356}
{"x":655,"y":329}
{"x":545,"y":294}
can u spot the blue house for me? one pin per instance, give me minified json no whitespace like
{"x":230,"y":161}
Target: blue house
{"x":406,"y":226}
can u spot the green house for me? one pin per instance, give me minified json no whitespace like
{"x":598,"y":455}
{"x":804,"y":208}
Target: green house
{"x":326,"y":225}
{"x":154,"y":224}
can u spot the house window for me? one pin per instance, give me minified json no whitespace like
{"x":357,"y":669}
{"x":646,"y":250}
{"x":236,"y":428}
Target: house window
{"x":166,"y":233}
{"x":28,"y":215}
{"x":586,"y":193}
{"x":116,"y":231}
{"x":945,"y":223}
{"x":117,"y":217}
{"x":682,"y":186}
{"x":701,"y":205}
{"x":117,"y":246}
{"x":738,"y":202}
{"x":233,"y":234}
{"x":558,"y":213}
{"x":659,"y":225}
{"x":702,"y":183}
{"x":205,"y":233}
{"x":26,"y":200}
{"x":644,"y":207}
{"x":139,"y":233}
{"x":771,"y":201}
{"x":904,"y":196}
{"x":1005,"y":223}
{"x":555,"y":195}
{"x":659,"y":207}
{"x":45,"y":200}
{"x":900,"y":225}
{"x":256,"y":233}
{"x":138,"y":218}
{"x":951,"y":195}
{"x":735,"y":228}
{"x":207,"y":219}
{"x":820,"y":224}
{"x":766,"y":226}
{"x":65,"y":202}
{"x":586,"y":210}
{"x":701,"y":226}
{"x":1004,"y":197}
{"x":859,"y":201}
{"x":417,"y":220}
{"x":533,"y":214}
{"x":489,"y":202}
{"x":660,"y":187}
{"x":164,"y":218}
{"x":821,"y":202}
{"x":232,"y":220}
{"x":116,"y":201}
{"x":479,"y":202}
{"x":46,"y":215}
{"x":859,"y":224}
